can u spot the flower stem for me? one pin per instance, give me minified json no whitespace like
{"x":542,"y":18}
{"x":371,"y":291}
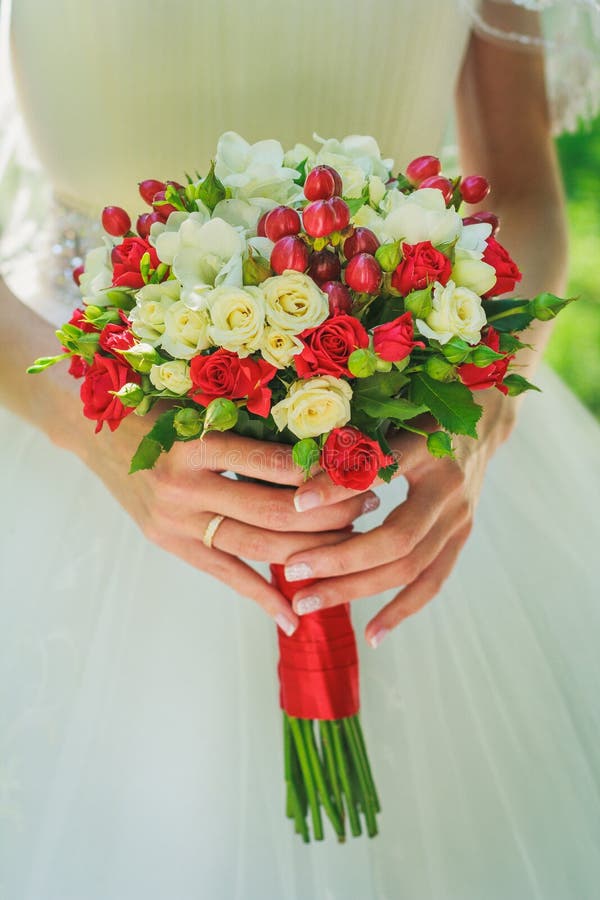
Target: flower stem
{"x":345,"y":779}
{"x":317,"y":771}
{"x":308,"y":779}
{"x":367,"y":798}
{"x":327,"y":744}
{"x":367,"y":765}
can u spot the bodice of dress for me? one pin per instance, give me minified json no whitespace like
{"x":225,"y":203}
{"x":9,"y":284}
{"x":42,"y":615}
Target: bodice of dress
{"x":114,"y":91}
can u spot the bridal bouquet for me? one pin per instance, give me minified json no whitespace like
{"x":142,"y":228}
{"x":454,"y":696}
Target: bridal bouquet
{"x":314,"y":298}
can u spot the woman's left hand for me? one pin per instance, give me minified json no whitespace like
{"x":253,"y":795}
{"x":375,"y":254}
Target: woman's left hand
{"x":418,"y":543}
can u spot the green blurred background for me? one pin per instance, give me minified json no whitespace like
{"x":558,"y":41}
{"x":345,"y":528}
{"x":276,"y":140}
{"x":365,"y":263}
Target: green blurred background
{"x":574,"y":347}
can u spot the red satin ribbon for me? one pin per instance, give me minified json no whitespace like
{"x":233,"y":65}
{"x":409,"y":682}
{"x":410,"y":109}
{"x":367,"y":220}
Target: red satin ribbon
{"x":318,"y":665}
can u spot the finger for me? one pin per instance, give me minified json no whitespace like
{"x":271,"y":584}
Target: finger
{"x":272,"y":508}
{"x":395,"y":538}
{"x":239,"y":576}
{"x":249,"y":542}
{"x":416,"y":595}
{"x":335,"y":591}
{"x":408,"y":450}
{"x":228,"y":452}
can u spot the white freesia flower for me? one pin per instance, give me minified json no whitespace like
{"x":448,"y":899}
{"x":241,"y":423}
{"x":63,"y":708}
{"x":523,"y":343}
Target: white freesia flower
{"x":366,"y":217}
{"x":356,"y":158}
{"x":165,"y":236}
{"x":472,"y":273}
{"x":242,"y":213}
{"x":186,"y":331}
{"x":208,"y":254}
{"x":254,"y":170}
{"x":279,"y":347}
{"x":299,"y":154}
{"x":456,"y":311}
{"x":473,"y":238}
{"x":377,"y":189}
{"x":151,"y":305}
{"x":238,"y":318}
{"x":314,"y":406}
{"x":97,"y":276}
{"x":172,"y":376}
{"x":421,"y":216}
{"x":294,"y":302}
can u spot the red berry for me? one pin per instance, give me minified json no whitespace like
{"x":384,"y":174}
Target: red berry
{"x":421,"y":168}
{"x":260,"y":228}
{"x":441,"y":184}
{"x":115,"y":221}
{"x":362,"y":240}
{"x":280,"y":222}
{"x":176,"y":185}
{"x":340,"y":300}
{"x":474,"y":188}
{"x":342,"y":213}
{"x":77,"y":273}
{"x":149,"y":188}
{"x":322,"y":183}
{"x":162,"y":208}
{"x":484,"y":217}
{"x":363,"y":274}
{"x":145,"y":223}
{"x":289,"y":252}
{"x":324,"y":266}
{"x":319,"y":218}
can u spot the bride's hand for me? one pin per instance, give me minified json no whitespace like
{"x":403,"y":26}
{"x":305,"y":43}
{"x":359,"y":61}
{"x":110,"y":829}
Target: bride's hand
{"x":174,"y":503}
{"x":418,"y":543}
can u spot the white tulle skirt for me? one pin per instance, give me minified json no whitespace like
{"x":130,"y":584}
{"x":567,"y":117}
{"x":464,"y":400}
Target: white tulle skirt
{"x":140,"y":736}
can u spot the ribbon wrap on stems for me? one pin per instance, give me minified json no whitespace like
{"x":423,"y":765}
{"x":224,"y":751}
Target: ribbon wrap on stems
{"x":318,"y":665}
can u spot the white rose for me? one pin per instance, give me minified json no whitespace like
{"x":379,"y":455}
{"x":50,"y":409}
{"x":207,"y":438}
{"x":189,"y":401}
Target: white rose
{"x":475,"y":274}
{"x":96,"y":277}
{"x":208,"y":254}
{"x":314,"y":406}
{"x":238,"y":318}
{"x":356,"y":158}
{"x":171,"y":376}
{"x":457,"y":311}
{"x":279,"y":347}
{"x":421,"y":216}
{"x":254,"y":170}
{"x":294,"y":302}
{"x":185,"y":331}
{"x":151,"y":304}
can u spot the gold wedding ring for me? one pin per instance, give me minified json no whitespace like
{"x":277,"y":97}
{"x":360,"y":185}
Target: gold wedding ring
{"x":211,"y":529}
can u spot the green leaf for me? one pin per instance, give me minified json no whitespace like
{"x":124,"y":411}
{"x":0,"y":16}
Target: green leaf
{"x":516,"y":385}
{"x":509,"y":343}
{"x":211,"y":190}
{"x":451,"y":403}
{"x":484,"y":356}
{"x":439,"y":443}
{"x":384,"y":310}
{"x":508,"y":315}
{"x":387,"y":472}
{"x":301,"y":170}
{"x":404,"y":184}
{"x":160,"y":438}
{"x":305,"y":454}
{"x":145,"y":456}
{"x":379,"y":407}
{"x":355,"y":203}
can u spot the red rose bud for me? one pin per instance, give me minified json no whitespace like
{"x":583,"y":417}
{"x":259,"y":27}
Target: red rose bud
{"x":289,"y":253}
{"x":421,"y":265}
{"x":362,"y":240}
{"x":507,"y":271}
{"x":77,"y":273}
{"x":327,"y":347}
{"x":421,"y":168}
{"x":440,"y":184}
{"x":474,"y":188}
{"x":363,"y":274}
{"x":104,"y":376}
{"x":126,"y":258}
{"x":260,"y":228}
{"x":352,"y":459}
{"x":149,"y":188}
{"x":322,"y":183}
{"x":116,"y":337}
{"x":478,"y":378}
{"x":394,"y":341}
{"x":324,"y":266}
{"x":115,"y":221}
{"x":280,"y":222}
{"x":340,"y":300}
{"x":162,"y":208}
{"x":484,"y":217}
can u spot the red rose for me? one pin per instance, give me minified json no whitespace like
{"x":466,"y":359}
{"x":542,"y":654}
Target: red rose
{"x":126,"y":258}
{"x":116,"y":337}
{"x":105,"y":375}
{"x":507,"y":271}
{"x":394,"y":340}
{"x":352,"y":459}
{"x":78,"y":367}
{"x":479,"y":378}
{"x":79,"y":320}
{"x":421,"y":265}
{"x":327,"y":347}
{"x":224,"y":374}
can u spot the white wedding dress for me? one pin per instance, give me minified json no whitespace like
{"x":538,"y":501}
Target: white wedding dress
{"x":140,"y":735}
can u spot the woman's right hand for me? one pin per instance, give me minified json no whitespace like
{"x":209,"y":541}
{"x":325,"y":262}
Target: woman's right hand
{"x":174,"y":502}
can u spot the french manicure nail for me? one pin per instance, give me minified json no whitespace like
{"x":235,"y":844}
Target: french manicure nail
{"x":371,"y":503}
{"x":377,"y":638}
{"x":287,"y":626}
{"x":307,"y":500}
{"x":298,"y":572}
{"x":308,"y":605}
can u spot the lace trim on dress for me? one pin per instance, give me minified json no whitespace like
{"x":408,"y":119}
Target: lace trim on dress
{"x":567,"y":32}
